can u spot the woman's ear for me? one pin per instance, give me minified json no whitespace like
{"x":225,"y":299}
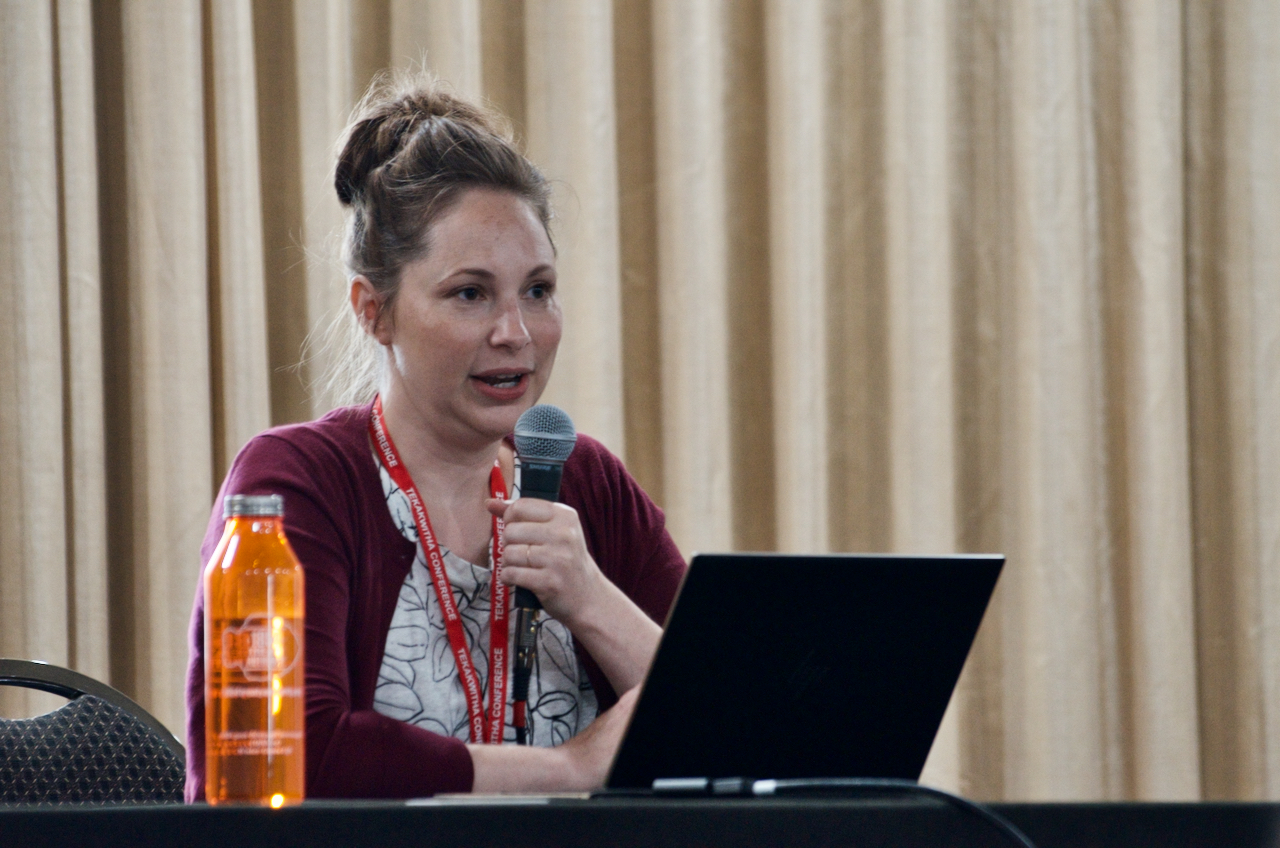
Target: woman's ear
{"x":366,"y":303}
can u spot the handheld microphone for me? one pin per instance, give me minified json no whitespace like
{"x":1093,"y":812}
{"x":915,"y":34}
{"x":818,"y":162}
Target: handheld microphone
{"x":544,"y":439}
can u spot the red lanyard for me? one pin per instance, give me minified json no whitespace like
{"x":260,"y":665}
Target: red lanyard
{"x":444,"y":592}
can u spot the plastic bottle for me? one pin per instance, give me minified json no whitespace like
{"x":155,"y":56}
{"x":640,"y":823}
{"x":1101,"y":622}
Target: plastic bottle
{"x":254,"y":665}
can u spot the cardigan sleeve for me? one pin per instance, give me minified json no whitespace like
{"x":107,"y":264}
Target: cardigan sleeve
{"x":352,"y":751}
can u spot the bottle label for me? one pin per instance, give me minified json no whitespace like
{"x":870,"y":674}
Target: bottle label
{"x":257,"y":687}
{"x":260,"y":647}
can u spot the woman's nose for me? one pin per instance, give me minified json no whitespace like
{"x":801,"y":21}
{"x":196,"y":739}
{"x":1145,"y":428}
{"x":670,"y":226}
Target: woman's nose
{"x":510,"y":331}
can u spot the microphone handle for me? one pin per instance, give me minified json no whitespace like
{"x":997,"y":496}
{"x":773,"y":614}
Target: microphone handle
{"x":538,"y":479}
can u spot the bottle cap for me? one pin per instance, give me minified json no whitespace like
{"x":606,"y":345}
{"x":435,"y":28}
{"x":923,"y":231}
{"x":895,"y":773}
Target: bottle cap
{"x":252,"y":505}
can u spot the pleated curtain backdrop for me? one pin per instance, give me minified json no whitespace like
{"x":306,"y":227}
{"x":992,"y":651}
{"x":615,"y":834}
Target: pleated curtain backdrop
{"x":895,"y":275}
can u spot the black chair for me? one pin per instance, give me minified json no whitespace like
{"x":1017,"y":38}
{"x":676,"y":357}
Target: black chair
{"x":100,"y":747}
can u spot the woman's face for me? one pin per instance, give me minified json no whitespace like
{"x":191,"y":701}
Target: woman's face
{"x":476,"y":323}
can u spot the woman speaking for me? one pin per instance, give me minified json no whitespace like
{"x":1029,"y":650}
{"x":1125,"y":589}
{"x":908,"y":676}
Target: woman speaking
{"x":453,"y":290}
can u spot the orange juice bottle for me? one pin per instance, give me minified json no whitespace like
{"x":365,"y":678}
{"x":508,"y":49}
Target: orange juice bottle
{"x":253,"y":659}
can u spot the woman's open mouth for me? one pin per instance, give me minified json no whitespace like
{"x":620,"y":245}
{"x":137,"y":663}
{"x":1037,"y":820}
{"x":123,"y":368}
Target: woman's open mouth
{"x":500,"y":386}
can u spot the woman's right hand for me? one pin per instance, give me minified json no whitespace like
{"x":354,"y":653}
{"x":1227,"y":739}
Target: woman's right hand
{"x":591,"y":751}
{"x":579,"y":765}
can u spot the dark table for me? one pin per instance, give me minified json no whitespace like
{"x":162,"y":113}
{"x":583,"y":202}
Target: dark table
{"x":640,"y":822}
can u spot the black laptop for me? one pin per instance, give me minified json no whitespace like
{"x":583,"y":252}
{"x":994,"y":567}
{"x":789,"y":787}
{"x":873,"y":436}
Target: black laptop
{"x":781,"y":666}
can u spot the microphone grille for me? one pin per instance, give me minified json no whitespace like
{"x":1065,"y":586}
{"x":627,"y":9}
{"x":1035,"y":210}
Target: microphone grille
{"x":545,"y":432}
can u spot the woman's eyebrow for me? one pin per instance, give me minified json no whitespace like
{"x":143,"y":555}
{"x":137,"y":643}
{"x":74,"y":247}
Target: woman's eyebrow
{"x":486,"y":274}
{"x":471,"y":272}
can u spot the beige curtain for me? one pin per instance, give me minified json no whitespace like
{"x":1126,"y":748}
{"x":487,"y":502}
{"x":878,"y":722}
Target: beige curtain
{"x":894,"y":275}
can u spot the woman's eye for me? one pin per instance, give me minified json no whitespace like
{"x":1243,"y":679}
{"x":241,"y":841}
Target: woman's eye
{"x":469,"y":293}
{"x":540,"y":291}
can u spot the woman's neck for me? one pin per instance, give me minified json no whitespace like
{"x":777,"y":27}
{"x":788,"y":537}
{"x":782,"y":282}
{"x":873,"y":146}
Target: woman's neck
{"x":452,"y":479}
{"x":430,"y":456}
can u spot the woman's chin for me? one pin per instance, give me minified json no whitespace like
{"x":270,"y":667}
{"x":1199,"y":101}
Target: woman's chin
{"x":496,"y":422}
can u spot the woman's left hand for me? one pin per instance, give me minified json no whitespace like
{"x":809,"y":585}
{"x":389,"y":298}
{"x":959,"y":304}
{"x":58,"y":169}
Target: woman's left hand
{"x":546,"y":553}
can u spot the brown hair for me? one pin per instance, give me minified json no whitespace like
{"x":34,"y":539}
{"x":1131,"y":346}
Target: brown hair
{"x":411,"y":150}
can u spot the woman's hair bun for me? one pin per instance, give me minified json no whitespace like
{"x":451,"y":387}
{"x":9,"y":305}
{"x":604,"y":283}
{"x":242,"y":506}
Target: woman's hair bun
{"x":390,"y":113}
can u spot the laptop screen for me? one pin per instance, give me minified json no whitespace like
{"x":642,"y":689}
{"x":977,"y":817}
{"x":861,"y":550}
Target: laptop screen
{"x":782,"y":666}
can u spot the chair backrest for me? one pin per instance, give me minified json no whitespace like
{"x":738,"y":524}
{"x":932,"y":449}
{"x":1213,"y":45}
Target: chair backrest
{"x":99,"y":747}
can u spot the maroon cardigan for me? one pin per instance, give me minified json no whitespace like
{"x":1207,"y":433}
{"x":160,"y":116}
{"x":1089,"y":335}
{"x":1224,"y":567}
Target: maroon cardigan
{"x":355,"y":562}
